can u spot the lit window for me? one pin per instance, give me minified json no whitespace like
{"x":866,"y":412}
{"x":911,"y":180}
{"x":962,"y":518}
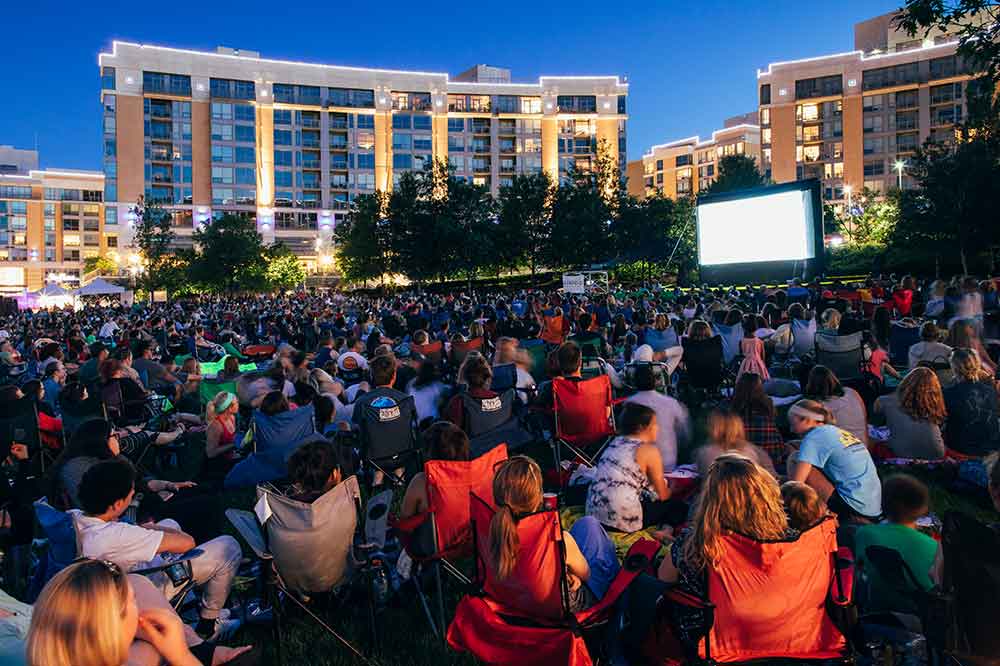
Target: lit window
{"x":810,"y":112}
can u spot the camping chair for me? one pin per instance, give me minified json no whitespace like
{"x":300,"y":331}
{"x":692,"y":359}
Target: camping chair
{"x":492,"y":421}
{"x":525,"y":619}
{"x":972,"y":577}
{"x":661,"y":374}
{"x":777,"y":600}
{"x":918,"y":610}
{"x":459,"y":350}
{"x":843,"y":354}
{"x":584,"y":418}
{"x":121,"y":412}
{"x":311,"y":548}
{"x":442,"y":533}
{"x":730,"y":337}
{"x":432,"y":351}
{"x":535,"y":349}
{"x":704,"y":364}
{"x":901,"y":338}
{"x":19,"y":423}
{"x":274,"y":439}
{"x":504,"y":377}
{"x":208,"y":389}
{"x":803,"y":338}
{"x":388,"y":437}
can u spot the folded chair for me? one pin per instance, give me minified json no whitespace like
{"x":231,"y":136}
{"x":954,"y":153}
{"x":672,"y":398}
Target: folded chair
{"x":779,"y":600}
{"x":584,"y":418}
{"x":437,"y":536}
{"x":310,"y":549}
{"x":525,"y":619}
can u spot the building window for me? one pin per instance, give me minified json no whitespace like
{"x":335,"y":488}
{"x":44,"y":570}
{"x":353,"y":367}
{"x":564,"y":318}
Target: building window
{"x":170,"y":84}
{"x":822,"y":86}
{"x":886,"y":77}
{"x":107,"y":78}
{"x":765,"y":93}
{"x":876,"y":168}
{"x":682,"y":160}
{"x":765,"y":116}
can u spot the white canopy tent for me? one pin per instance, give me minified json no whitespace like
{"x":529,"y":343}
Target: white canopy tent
{"x":99,"y":287}
{"x":51,"y":290}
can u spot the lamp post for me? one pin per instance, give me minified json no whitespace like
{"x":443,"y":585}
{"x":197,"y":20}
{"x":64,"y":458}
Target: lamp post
{"x":848,"y":189}
{"x":899,"y":166}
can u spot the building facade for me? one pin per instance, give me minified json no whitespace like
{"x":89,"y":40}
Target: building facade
{"x":17,"y":160}
{"x":687,"y":166}
{"x":853,"y":119}
{"x":292,"y":144}
{"x":50,"y":223}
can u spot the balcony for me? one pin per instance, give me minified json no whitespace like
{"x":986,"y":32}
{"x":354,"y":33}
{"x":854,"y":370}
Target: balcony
{"x":310,"y":140}
{"x":310,"y":163}
{"x":309,"y":121}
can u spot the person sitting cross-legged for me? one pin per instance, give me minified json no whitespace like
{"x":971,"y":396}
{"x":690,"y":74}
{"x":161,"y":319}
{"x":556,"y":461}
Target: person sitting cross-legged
{"x":106,"y":492}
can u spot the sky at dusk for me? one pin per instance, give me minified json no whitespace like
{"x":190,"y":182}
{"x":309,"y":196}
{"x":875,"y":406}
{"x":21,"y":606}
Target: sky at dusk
{"x":689,"y":64}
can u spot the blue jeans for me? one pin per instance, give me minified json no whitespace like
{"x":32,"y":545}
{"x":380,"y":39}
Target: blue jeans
{"x":597,"y":549}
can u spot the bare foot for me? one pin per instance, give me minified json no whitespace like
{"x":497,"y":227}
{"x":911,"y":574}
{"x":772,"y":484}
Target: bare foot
{"x":224,"y":655}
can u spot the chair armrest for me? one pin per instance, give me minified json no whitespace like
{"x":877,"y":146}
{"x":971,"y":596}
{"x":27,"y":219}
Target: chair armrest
{"x":183,"y":559}
{"x":681,"y":598}
{"x":636,"y":561}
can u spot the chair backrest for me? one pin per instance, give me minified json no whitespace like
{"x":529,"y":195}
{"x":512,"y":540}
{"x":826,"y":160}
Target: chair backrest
{"x":535,"y":349}
{"x":843,"y":354}
{"x":660,"y":374}
{"x":552,"y":329}
{"x":703,"y":360}
{"x":770,"y":598}
{"x":901,"y":338}
{"x":897,"y":576}
{"x":275,"y":437}
{"x":388,"y":427}
{"x":504,"y":377}
{"x":803,"y":336}
{"x":485,"y":414}
{"x":536,"y":588}
{"x":449,"y":483}
{"x":20,"y":415}
{"x":432,"y":351}
{"x":311,"y":543}
{"x":731,"y":336}
{"x":58,"y":529}
{"x":582,"y":410}
{"x":972,"y":573}
{"x":208,"y":389}
{"x":111,"y":395}
{"x":461,"y":349}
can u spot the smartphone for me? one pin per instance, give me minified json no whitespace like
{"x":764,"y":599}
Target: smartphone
{"x":177,"y":573}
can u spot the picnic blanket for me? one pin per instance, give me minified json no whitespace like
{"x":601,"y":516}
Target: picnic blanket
{"x":212,"y":368}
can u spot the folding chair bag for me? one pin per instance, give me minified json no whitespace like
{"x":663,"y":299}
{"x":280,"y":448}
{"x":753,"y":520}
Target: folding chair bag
{"x":311,"y":543}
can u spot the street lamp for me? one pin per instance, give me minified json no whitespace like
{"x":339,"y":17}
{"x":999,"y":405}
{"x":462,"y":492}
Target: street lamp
{"x":899,"y":166}
{"x":850,"y":210}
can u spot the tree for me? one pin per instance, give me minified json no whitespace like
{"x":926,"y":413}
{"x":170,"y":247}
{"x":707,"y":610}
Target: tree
{"x":102,"y":265}
{"x":415,"y":226}
{"x":154,"y":239}
{"x":466,"y":230}
{"x":230,"y":255}
{"x":736,"y":172}
{"x":361,"y":243}
{"x":953,"y":208}
{"x":284,"y":270}
{"x":976,"y":22}
{"x":871,"y":219}
{"x":641,"y":231}
{"x":523,"y":216}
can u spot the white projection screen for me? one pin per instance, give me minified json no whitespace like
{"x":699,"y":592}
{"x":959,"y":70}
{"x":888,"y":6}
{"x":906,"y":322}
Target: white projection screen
{"x":765,"y":228}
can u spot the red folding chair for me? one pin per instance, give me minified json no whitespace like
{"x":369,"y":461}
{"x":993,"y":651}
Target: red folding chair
{"x":459,"y":350}
{"x":584,"y":417}
{"x":432,"y":351}
{"x":525,"y":619}
{"x":444,"y":532}
{"x":773,"y":600}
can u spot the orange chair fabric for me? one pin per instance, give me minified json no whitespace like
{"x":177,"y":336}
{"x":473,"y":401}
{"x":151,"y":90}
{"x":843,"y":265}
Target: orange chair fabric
{"x":432,"y":351}
{"x":770,"y":598}
{"x":459,"y":350}
{"x":553,"y":329}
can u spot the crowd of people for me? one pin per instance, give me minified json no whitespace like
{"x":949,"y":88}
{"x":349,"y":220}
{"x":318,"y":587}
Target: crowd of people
{"x":123,"y":425}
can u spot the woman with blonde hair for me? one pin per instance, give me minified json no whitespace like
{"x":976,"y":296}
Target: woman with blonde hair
{"x":914,"y":414}
{"x":591,"y":563}
{"x":92,"y":614}
{"x":220,"y":415}
{"x":727,"y":436}
{"x":737,"y":497}
{"x":699,"y":330}
{"x":972,"y":427}
{"x":835,"y":463}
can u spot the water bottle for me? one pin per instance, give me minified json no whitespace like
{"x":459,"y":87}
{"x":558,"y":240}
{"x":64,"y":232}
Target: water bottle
{"x":381,"y":586}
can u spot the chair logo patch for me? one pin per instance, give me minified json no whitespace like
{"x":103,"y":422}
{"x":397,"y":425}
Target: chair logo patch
{"x":492,"y":404}
{"x":387,"y":408}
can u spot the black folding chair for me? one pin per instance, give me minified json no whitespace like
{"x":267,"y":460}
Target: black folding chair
{"x":388,"y":438}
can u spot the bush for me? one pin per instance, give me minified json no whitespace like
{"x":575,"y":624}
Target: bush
{"x":852,"y":259}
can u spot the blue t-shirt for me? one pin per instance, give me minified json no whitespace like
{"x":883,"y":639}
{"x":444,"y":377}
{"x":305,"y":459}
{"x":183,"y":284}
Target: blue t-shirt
{"x":845,"y":461}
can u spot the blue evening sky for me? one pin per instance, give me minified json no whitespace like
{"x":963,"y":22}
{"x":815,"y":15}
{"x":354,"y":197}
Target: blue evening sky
{"x":689,"y":64}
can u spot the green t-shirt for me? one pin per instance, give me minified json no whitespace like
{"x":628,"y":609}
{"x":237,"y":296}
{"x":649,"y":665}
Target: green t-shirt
{"x":918,"y":551}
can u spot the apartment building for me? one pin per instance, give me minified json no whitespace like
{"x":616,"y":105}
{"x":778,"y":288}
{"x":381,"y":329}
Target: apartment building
{"x":291,"y":144}
{"x":17,"y":160}
{"x":51,"y":221}
{"x":687,"y":166}
{"x":853,"y":119}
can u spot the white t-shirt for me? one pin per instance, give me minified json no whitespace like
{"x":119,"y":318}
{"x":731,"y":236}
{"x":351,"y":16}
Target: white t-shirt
{"x":672,"y":419}
{"x":129,"y":546}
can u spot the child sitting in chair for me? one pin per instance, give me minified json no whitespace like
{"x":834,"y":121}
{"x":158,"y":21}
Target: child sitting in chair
{"x":802,"y":504}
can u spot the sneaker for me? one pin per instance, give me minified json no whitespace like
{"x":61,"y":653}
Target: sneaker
{"x":220,"y":630}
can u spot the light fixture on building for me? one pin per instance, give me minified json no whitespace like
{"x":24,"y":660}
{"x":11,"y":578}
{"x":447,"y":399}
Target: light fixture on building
{"x":548,"y":105}
{"x":129,"y":80}
{"x":783,"y":91}
{"x":438,"y":103}
{"x":265,"y":226}
{"x":852,"y":82}
{"x":200,"y":87}
{"x":263,"y":93}
{"x":607,"y":105}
